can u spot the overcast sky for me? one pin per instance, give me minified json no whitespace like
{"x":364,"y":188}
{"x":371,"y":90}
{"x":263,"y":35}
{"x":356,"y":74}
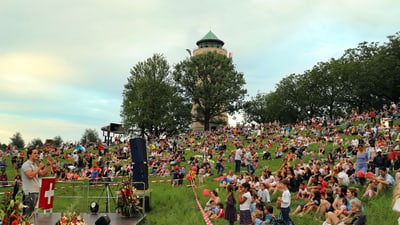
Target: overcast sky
{"x":63,"y":64}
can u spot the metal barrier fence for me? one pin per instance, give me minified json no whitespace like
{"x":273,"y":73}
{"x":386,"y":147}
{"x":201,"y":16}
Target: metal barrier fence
{"x":72,"y":193}
{"x":78,"y":195}
{"x":105,"y":194}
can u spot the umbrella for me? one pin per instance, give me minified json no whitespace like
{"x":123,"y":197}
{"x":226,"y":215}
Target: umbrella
{"x":79,"y":148}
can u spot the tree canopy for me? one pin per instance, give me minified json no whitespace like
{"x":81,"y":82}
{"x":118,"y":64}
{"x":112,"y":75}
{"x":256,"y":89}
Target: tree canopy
{"x":17,"y":141}
{"x":212,"y":84}
{"x":363,"y":78}
{"x":36,"y":143}
{"x":150,"y":100}
{"x":90,"y":135}
{"x":58,"y":141}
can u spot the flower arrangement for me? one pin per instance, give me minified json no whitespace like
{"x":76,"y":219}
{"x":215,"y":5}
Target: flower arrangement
{"x":72,"y":218}
{"x":11,"y":212}
{"x":128,"y":202}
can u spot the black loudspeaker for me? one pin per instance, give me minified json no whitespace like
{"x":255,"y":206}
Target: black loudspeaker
{"x":140,"y":169}
{"x":138,"y":150}
{"x":146,"y":203}
{"x":103,"y":220}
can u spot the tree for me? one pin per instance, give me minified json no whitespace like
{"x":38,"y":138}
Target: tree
{"x":212,"y":84}
{"x":385,"y":67}
{"x":363,"y":78}
{"x":17,"y":141}
{"x":36,"y":143}
{"x":256,"y":109}
{"x":3,"y":147}
{"x":327,"y":88}
{"x":288,"y":99}
{"x":361,"y":85}
{"x":263,"y":108}
{"x":150,"y":100}
{"x":90,"y":135}
{"x":58,"y":141}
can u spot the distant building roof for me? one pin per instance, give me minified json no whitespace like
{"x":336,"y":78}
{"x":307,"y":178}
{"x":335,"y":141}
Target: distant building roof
{"x":210,"y":40}
{"x":115,"y":128}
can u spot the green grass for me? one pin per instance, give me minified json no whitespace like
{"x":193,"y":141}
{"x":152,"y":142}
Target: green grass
{"x":177,"y":205}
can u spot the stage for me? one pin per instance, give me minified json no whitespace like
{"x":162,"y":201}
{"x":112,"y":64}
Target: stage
{"x":90,"y":219}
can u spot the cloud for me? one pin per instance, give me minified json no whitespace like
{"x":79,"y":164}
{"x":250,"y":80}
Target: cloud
{"x":28,"y":73}
{"x":67,"y":64}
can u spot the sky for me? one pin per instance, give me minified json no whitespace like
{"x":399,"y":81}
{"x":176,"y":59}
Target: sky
{"x":64,"y":64}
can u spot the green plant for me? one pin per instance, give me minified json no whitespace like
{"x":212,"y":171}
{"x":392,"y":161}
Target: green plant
{"x":11,"y":212}
{"x":128,"y":201}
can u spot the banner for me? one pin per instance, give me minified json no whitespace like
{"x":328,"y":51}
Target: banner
{"x":46,"y":197}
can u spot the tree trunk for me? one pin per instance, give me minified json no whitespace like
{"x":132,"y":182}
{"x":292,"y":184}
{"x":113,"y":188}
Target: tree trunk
{"x":206,"y":122}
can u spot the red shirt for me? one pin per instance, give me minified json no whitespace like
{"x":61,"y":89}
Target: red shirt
{"x":322,"y":189}
{"x":221,"y":213}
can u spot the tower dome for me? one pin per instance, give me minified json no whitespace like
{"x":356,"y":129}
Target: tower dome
{"x":210,"y":40}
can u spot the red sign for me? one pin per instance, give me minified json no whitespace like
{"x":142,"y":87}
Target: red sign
{"x":46,"y":197}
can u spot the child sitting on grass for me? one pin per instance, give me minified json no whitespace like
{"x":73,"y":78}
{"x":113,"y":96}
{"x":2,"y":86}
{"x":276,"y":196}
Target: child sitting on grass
{"x":220,"y":212}
{"x":211,"y":209}
{"x":257,"y":218}
{"x":303,"y":193}
{"x":371,"y":189}
{"x":268,"y":214}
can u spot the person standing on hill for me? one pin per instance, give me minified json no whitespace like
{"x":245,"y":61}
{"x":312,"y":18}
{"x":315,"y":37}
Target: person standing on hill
{"x":362,"y":163}
{"x":220,"y":166}
{"x":230,"y":212}
{"x":31,"y":181}
{"x":16,"y":184}
{"x":249,"y":161}
{"x":362,"y":159}
{"x":284,"y":201}
{"x":238,"y":159}
{"x":245,"y":200}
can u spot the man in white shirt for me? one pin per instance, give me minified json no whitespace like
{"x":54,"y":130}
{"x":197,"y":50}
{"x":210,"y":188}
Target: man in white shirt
{"x":249,"y":161}
{"x":238,"y":159}
{"x":30,"y":175}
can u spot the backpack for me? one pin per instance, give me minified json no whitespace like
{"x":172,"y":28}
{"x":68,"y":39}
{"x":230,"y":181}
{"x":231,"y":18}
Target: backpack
{"x":278,"y":220}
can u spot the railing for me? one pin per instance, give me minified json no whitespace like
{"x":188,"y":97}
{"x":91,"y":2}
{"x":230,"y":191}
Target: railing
{"x":78,"y":195}
{"x":72,"y":192}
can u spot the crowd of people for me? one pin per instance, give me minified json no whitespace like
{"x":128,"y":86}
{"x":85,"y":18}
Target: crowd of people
{"x":348,"y":159}
{"x":345,"y":156}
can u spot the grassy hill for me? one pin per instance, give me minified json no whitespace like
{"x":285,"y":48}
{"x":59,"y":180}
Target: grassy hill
{"x":177,"y":205}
